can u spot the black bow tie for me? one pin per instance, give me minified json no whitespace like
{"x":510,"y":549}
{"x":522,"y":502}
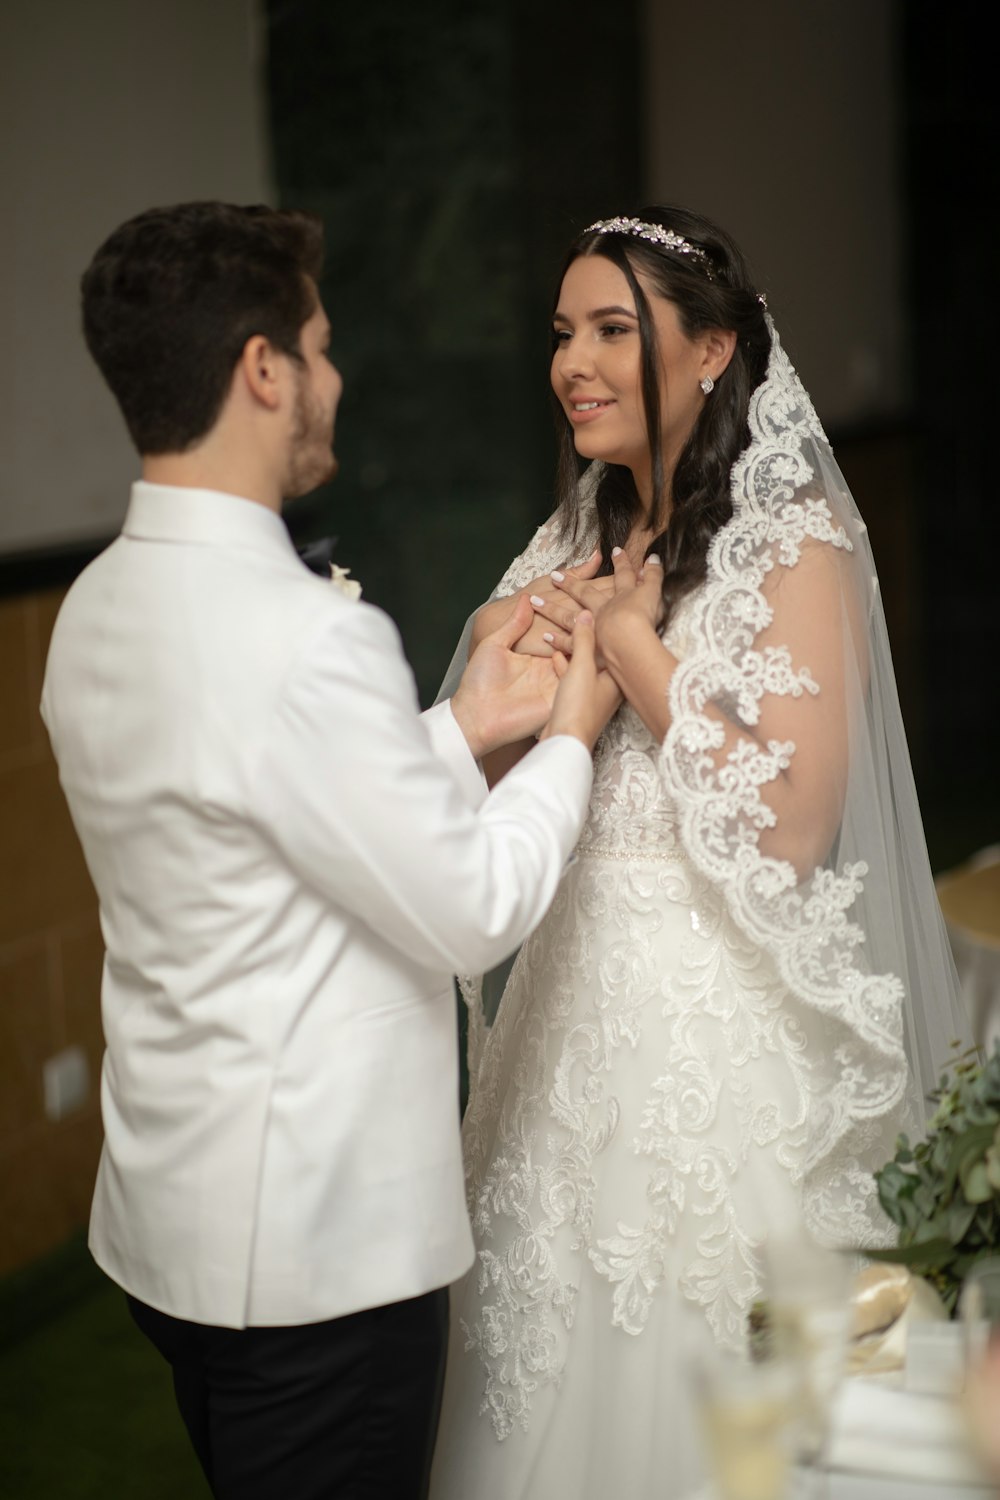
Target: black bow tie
{"x":318,"y":555}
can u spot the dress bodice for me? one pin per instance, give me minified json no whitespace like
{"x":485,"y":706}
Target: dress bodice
{"x":631,"y":814}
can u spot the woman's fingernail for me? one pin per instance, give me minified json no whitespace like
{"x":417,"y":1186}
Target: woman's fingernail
{"x":538,"y":603}
{"x":548,"y":636}
{"x":652,"y":558}
{"x":585,"y":617}
{"x":616,"y":552}
{"x":557,"y":577}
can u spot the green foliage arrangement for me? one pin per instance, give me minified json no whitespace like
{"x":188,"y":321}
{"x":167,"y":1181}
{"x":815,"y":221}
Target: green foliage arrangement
{"x":944,"y":1192}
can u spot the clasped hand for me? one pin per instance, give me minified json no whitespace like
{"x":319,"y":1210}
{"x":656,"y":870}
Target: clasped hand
{"x":631,"y":610}
{"x":624,"y":606}
{"x":506,"y":696}
{"x":544,"y":636}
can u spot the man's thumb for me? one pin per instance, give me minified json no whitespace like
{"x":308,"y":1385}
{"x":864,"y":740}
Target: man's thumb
{"x":517,"y":622}
{"x":583,"y":638}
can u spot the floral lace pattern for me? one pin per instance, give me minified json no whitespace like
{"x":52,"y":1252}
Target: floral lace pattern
{"x":640,"y":1101}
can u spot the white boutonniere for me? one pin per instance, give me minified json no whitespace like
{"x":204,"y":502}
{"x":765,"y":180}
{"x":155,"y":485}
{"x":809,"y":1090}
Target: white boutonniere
{"x":343,"y":582}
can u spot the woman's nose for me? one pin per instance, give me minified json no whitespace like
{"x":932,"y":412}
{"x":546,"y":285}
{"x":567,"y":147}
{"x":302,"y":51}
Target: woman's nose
{"x":574,"y":360}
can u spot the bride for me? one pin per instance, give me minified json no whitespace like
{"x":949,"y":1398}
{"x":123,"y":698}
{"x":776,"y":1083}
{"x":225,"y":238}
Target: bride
{"x":742,"y":987}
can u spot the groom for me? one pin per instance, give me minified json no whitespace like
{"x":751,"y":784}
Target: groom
{"x":291,"y":862}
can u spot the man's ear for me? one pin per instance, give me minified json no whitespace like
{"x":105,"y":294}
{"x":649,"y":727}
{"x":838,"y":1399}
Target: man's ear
{"x":262,"y":368}
{"x":718,"y":347}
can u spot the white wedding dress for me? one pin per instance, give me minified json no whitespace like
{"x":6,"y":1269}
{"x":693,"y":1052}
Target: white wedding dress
{"x":621,"y":1158}
{"x":692,"y":1050}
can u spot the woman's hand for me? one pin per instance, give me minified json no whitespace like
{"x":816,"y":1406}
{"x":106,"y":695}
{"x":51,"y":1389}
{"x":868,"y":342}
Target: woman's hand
{"x":544,"y":636}
{"x":623,"y":617}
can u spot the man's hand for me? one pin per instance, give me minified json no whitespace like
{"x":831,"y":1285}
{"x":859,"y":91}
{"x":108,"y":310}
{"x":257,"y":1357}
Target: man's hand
{"x":504,"y":695}
{"x":587,"y":696}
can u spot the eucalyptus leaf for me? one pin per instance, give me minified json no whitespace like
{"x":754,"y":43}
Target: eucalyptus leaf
{"x":939,"y":1154}
{"x":925,"y":1200}
{"x":970,"y":1147}
{"x":894,"y":1187}
{"x":960,"y":1217}
{"x":930,"y":1231}
{"x":923,"y":1257}
{"x":976,"y":1183}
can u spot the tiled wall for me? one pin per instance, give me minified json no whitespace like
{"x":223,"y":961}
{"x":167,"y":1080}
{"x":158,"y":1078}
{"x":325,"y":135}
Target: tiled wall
{"x":50,"y":959}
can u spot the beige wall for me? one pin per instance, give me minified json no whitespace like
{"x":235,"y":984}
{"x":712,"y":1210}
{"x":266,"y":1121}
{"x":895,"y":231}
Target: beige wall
{"x":108,"y":107}
{"x":781,"y":120}
{"x":50,"y":959}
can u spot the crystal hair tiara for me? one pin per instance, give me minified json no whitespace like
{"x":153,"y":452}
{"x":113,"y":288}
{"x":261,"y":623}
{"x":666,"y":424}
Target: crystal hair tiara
{"x":655,"y":232}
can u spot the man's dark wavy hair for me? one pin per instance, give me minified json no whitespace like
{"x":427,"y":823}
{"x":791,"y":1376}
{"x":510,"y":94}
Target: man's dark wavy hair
{"x":171,"y":298}
{"x":699,"y":503}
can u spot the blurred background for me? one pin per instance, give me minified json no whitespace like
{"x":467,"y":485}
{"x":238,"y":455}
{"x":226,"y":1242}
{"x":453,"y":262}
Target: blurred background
{"x":453,"y":148}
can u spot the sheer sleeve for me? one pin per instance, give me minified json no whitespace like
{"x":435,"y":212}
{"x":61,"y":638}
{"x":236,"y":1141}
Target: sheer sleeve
{"x":815,"y":639}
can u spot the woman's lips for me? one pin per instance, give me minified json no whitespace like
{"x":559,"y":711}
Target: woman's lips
{"x":586,"y":411}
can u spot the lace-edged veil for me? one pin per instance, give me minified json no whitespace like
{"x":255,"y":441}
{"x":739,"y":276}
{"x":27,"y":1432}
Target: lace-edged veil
{"x":858,"y":938}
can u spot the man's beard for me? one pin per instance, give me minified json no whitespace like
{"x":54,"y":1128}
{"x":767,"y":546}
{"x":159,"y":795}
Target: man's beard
{"x":311,"y":460}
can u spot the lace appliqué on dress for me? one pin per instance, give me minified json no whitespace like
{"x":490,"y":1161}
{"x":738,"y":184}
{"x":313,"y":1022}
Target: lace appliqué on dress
{"x":615,"y":1129}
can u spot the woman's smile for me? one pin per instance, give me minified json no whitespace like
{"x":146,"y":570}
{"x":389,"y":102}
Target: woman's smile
{"x":586,"y":411}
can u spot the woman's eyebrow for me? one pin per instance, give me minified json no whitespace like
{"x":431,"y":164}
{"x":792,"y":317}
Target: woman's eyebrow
{"x":599,"y":312}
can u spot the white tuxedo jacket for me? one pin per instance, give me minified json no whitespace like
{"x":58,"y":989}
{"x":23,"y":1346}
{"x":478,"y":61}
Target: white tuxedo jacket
{"x":290,"y":868}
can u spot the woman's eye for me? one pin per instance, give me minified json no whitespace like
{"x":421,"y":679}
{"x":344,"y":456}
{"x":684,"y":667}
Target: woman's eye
{"x":560,"y":335}
{"x":609,"y":330}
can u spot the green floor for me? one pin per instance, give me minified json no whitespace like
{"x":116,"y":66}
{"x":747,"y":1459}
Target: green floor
{"x":86,"y":1405}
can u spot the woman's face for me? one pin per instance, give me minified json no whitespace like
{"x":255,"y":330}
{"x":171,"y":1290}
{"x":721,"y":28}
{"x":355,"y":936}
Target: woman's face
{"x":596,"y":368}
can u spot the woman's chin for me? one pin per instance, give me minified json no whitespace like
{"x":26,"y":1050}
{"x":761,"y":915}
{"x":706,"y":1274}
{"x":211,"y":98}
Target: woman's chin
{"x":589,"y":446}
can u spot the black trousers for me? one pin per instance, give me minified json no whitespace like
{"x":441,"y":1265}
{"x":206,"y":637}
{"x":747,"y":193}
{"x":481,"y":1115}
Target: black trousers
{"x":342,"y":1410}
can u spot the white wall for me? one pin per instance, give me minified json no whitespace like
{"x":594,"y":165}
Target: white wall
{"x":779,"y":118}
{"x":107,"y":107}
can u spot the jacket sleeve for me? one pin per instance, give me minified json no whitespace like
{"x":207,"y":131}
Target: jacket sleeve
{"x":349,"y":789}
{"x":449,"y":745}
